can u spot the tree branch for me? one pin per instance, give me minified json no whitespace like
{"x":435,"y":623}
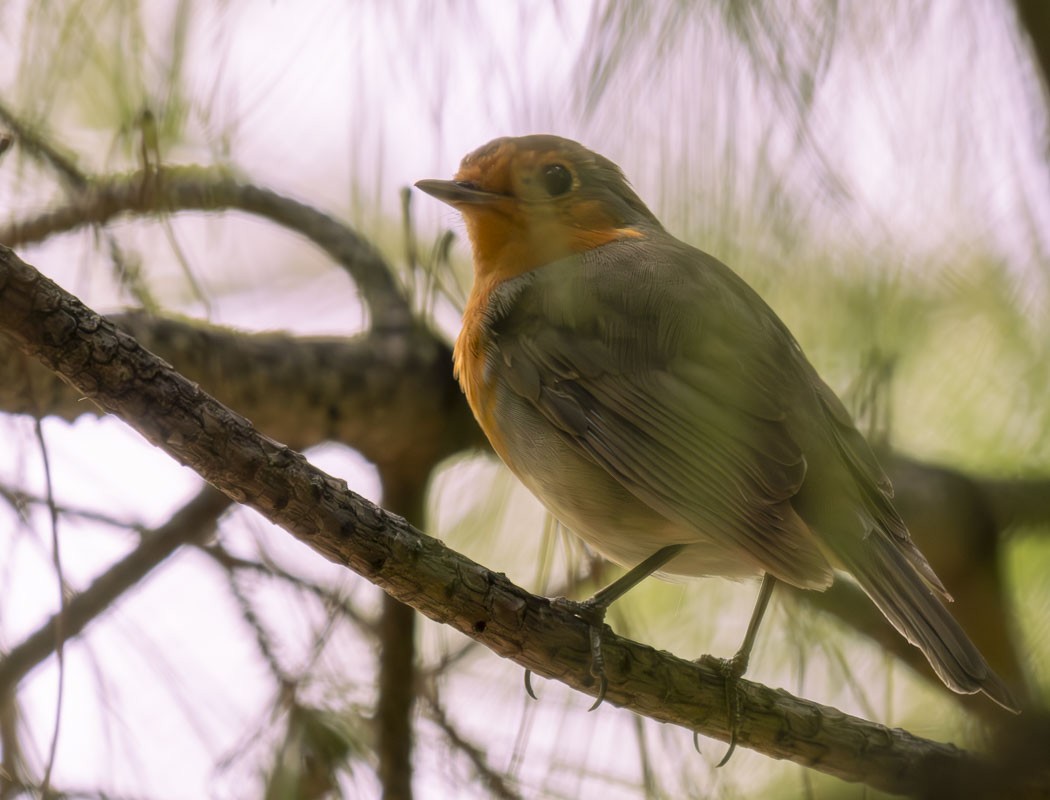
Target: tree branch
{"x":404,"y":492}
{"x":33,"y":143}
{"x":299,"y":390}
{"x":176,"y":415}
{"x":192,"y":523}
{"x":171,"y":189}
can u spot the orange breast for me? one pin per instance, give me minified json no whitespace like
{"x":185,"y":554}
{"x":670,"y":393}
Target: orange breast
{"x":468,"y":358}
{"x":507,"y":243}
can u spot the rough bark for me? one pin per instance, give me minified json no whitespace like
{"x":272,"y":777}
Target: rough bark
{"x":113,"y":370}
{"x":389,"y":394}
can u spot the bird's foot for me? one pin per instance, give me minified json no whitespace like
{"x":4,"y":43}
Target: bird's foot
{"x":732,"y":670}
{"x":592,"y":611}
{"x":594,"y":615}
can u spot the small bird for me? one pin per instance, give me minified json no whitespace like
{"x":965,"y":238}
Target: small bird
{"x":662,"y":411}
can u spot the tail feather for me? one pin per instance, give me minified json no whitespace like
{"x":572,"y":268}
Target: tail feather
{"x":899,"y":590}
{"x":846,"y":500}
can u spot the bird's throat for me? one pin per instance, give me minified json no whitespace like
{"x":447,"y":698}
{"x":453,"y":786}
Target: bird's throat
{"x":507,"y":243}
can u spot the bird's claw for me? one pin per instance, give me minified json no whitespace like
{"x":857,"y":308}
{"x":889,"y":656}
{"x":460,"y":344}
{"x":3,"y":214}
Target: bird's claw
{"x":597,"y":663}
{"x":594,"y":615}
{"x":603,"y":685}
{"x":732,"y":669}
{"x":528,"y":684}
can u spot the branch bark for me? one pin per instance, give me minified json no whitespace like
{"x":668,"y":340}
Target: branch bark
{"x":112,"y":369}
{"x":388,"y":394}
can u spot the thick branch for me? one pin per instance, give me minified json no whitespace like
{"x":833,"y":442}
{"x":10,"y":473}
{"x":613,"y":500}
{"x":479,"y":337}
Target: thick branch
{"x":171,"y":189}
{"x":177,"y":416}
{"x":1017,"y":502}
{"x":388,"y":394}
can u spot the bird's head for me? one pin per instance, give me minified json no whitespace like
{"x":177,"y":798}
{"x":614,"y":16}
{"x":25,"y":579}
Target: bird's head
{"x":532,"y":200}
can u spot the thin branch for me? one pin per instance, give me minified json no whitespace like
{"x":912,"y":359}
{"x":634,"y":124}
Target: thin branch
{"x":19,"y":499}
{"x":333,"y":601}
{"x":177,"y":416}
{"x":193,"y":522}
{"x":165,"y":190}
{"x":34,"y":144}
{"x":37,"y":146}
{"x":494,"y":782}
{"x":60,"y":618}
{"x":262,"y":636}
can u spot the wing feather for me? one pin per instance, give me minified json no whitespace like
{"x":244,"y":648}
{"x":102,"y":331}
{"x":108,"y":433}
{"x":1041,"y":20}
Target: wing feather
{"x":674,"y":405}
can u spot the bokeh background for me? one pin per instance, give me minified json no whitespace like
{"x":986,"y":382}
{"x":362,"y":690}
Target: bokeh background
{"x":877,"y":171}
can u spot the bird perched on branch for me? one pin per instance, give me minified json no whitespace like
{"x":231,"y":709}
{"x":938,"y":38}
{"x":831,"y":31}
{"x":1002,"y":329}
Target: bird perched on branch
{"x":662,"y":411}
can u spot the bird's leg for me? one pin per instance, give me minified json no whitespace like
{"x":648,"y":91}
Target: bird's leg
{"x":734,"y":668}
{"x":593,"y":610}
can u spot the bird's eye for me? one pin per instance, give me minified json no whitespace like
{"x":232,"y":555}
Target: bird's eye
{"x":556,"y":179}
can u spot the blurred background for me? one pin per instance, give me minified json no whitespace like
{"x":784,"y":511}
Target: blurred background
{"x":877,"y":171}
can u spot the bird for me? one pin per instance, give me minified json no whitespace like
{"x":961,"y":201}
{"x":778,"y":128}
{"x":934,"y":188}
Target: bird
{"x":663,"y":412}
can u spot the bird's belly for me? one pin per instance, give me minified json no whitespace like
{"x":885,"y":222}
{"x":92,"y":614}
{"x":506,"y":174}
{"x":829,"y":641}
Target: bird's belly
{"x":591,"y":503}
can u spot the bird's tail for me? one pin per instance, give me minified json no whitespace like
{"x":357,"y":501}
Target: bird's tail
{"x":891,"y":579}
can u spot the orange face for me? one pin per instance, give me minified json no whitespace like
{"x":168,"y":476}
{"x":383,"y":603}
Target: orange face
{"x":533,"y":200}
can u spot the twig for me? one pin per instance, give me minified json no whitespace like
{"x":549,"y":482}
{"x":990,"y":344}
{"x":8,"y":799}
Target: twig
{"x":59,"y":618}
{"x":171,"y":189}
{"x":495,"y":783}
{"x":331,"y":600}
{"x":193,"y":522}
{"x":75,"y":180}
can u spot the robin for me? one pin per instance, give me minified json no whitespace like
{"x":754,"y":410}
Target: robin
{"x":662,"y":411}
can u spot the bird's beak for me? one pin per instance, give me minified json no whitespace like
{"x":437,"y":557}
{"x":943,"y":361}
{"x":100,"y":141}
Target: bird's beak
{"x":457,"y":192}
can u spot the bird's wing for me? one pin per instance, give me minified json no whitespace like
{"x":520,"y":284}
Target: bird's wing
{"x":674,"y":382}
{"x":662,"y":367}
